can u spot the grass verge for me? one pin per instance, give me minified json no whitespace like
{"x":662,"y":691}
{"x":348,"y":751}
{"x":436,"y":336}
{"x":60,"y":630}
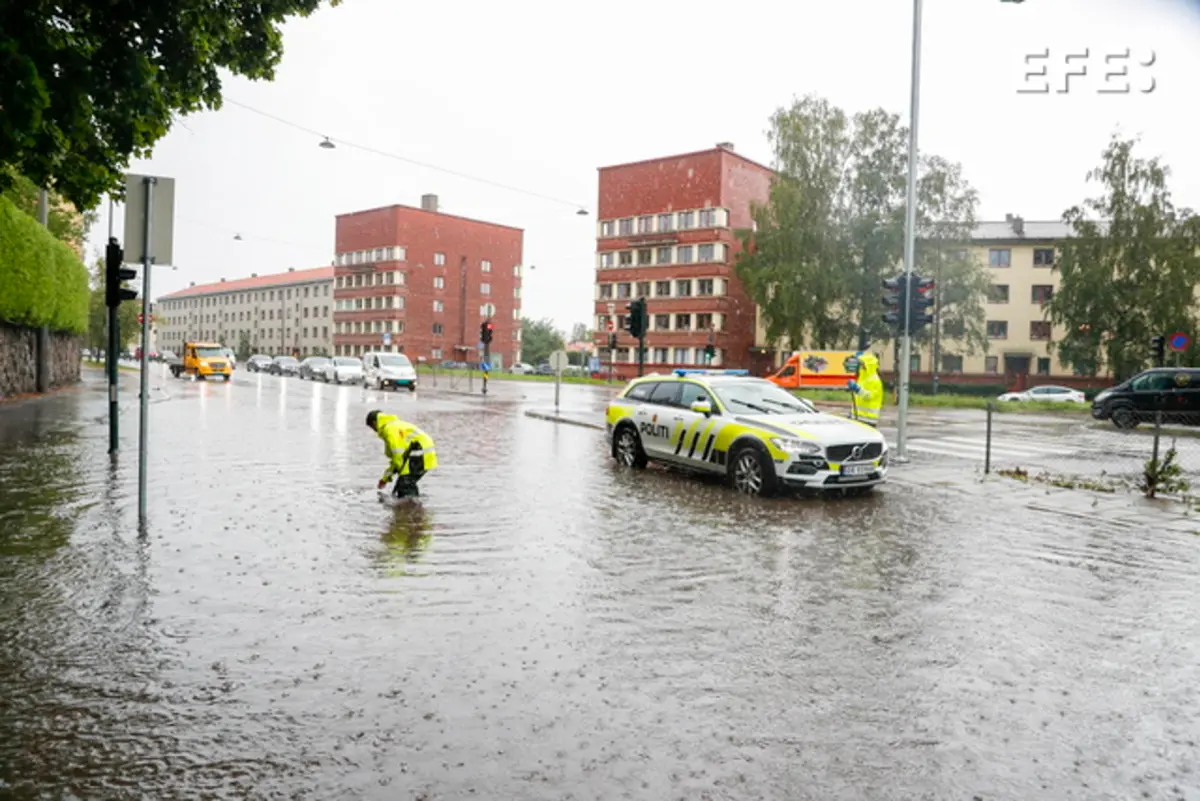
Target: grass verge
{"x":955,"y":402}
{"x":545,"y":379}
{"x":102,"y":366}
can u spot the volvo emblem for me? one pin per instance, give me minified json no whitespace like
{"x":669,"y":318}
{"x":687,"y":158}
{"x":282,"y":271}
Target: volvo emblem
{"x":856,"y":453}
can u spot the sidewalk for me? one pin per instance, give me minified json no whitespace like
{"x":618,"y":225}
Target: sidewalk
{"x":570,"y":417}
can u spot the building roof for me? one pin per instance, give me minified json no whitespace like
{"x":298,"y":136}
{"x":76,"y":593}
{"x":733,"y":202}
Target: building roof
{"x":253,"y":282}
{"x":721,"y":148}
{"x":1031,"y":231}
{"x":427,"y":211}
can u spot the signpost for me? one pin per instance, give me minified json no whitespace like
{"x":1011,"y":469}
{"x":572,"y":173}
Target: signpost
{"x":1178,"y":342}
{"x":558,"y":363}
{"x":149,"y":235}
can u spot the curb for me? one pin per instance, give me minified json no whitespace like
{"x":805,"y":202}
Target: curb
{"x":554,"y":418}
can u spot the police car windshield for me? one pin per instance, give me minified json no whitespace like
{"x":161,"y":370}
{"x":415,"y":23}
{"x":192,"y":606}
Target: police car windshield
{"x":760,"y":396}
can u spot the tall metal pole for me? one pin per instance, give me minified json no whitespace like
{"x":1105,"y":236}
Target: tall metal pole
{"x":143,"y":438}
{"x":910,"y":226}
{"x":42,"y":360}
{"x":114,"y":346}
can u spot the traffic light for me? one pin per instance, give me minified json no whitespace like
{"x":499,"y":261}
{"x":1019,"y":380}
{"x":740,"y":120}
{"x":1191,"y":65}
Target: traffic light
{"x":709,"y":352}
{"x":115,"y":273}
{"x":485,"y":331}
{"x":920,"y":296}
{"x":637,"y":318}
{"x":895,"y":298}
{"x":1158,"y":350}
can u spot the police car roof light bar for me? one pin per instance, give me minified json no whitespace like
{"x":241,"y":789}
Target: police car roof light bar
{"x":685,"y":371}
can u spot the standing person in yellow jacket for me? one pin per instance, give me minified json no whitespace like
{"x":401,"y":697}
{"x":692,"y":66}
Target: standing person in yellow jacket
{"x":868,"y":390}
{"x":410,"y":452}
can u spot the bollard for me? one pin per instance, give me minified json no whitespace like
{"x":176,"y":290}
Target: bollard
{"x":987,"y":446}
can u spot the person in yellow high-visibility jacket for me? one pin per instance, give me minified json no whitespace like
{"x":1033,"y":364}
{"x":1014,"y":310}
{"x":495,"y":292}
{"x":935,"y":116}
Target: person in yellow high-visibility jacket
{"x":410,"y":452}
{"x":868,"y":390}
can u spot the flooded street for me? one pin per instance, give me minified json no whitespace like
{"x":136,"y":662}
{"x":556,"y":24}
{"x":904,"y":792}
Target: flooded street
{"x":547,"y":626}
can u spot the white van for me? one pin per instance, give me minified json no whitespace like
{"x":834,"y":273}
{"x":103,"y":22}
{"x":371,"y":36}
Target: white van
{"x":382,"y":370}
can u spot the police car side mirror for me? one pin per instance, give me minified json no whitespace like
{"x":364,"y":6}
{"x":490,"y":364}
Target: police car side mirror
{"x":702,"y":407}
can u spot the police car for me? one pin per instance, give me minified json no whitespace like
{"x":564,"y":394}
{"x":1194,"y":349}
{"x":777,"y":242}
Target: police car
{"x":760,"y":437}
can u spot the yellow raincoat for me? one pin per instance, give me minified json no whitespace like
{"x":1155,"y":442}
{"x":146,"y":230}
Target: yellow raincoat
{"x":398,"y":435}
{"x":868,"y":390}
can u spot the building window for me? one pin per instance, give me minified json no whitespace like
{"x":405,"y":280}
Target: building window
{"x":661,"y":356}
{"x":704,"y":322}
{"x":606,"y":291}
{"x":704,"y":253}
{"x":624,"y":291}
{"x":662,"y":289}
{"x":665,"y":222}
{"x":643,"y":289}
{"x":438,"y":329}
{"x":439,"y":259}
{"x":645,"y":256}
{"x":485,"y":289}
{"x":1039,"y":330}
{"x":683,"y":355}
{"x":683,"y":287}
{"x":485,"y":266}
{"x":1042,"y":293}
{"x":951,"y":363}
{"x":664,"y":255}
{"x":708,"y":218}
{"x":991,"y":364}
{"x":626,"y":226}
{"x":606,"y":228}
{"x":683,"y":322}
{"x":1043,"y":257}
{"x":687,"y":219}
{"x":998,"y":293}
{"x":1043,"y":366}
{"x":487,"y":310}
{"x":704,"y":286}
{"x":997,"y":329}
{"x":685,"y":254}
{"x":999,"y":257}
{"x":645,"y":225}
{"x":438,"y":306}
{"x":607,"y":259}
{"x":625,"y":258}
{"x":662,"y":322}
{"x":517,"y":270}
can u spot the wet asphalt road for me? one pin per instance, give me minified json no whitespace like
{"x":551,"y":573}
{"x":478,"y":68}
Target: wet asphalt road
{"x":547,"y":626}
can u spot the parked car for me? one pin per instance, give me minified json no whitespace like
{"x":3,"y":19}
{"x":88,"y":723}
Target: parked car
{"x":259,"y":363}
{"x":1046,"y":393}
{"x":312,"y":367}
{"x":545,"y":369}
{"x":284,"y":365}
{"x":1173,"y":391}
{"x":381,"y":370}
{"x":343,"y":370}
{"x":521,"y":368}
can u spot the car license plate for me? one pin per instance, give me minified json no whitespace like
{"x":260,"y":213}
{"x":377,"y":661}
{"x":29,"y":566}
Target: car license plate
{"x":858,"y":469}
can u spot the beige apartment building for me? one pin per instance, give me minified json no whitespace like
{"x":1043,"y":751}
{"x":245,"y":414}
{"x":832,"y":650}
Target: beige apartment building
{"x":281,"y":314}
{"x":1019,"y":255}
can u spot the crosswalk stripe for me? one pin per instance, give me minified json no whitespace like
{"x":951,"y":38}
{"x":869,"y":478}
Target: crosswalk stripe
{"x":1027,"y":449}
{"x":973,"y":452}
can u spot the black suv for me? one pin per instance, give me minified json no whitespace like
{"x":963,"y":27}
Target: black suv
{"x":1175,"y":391}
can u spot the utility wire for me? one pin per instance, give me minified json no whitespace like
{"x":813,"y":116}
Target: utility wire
{"x":405,"y":159}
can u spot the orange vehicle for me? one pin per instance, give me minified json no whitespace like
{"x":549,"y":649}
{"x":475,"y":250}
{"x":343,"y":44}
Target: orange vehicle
{"x":817,"y":368}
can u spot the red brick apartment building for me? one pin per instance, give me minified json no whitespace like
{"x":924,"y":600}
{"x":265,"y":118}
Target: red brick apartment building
{"x":666,"y":233}
{"x":419,"y":282}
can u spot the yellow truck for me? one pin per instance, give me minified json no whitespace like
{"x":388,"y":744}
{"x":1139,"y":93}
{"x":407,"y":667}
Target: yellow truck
{"x":203,"y":360}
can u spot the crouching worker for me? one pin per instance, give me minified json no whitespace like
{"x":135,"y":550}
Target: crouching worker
{"x":409,"y":450}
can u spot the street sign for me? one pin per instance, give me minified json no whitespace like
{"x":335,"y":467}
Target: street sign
{"x":485,"y":367}
{"x":559,"y":361}
{"x":1178,"y":341}
{"x":594,"y":364}
{"x":162,"y":220}
{"x":387,"y":337}
{"x":479,"y":346}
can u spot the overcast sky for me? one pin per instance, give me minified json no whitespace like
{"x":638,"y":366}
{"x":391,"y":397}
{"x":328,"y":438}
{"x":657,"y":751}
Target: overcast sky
{"x":538,"y":95}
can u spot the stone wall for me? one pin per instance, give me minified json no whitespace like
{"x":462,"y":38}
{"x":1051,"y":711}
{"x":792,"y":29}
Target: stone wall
{"x":18,"y":360}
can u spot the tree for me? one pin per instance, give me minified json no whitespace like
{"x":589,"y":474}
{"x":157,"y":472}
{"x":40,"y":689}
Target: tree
{"x":243,"y":346}
{"x":1128,"y":271}
{"x":833,"y":227}
{"x":64,"y":222}
{"x":539,"y":339}
{"x":127,"y":312}
{"x":581,"y":333}
{"x":84,"y":89}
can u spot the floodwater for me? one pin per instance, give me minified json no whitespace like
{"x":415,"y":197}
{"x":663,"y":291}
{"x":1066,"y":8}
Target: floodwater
{"x":547,"y":626}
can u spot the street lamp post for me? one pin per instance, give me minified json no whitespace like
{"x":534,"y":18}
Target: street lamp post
{"x":910,"y":225}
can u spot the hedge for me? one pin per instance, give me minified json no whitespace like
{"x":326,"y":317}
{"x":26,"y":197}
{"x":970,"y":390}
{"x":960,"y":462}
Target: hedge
{"x":42,"y":281}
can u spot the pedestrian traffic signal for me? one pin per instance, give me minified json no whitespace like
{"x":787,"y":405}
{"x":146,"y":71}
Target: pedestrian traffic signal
{"x":485,"y":331}
{"x":920,"y":298}
{"x":709,"y":352}
{"x":895,"y":298}
{"x":115,"y":274}
{"x":1158,"y":350}
{"x":638,"y":319}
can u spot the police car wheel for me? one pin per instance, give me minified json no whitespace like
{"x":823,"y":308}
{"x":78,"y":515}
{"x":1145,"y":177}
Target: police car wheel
{"x":627,"y":448}
{"x":751,"y":472}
